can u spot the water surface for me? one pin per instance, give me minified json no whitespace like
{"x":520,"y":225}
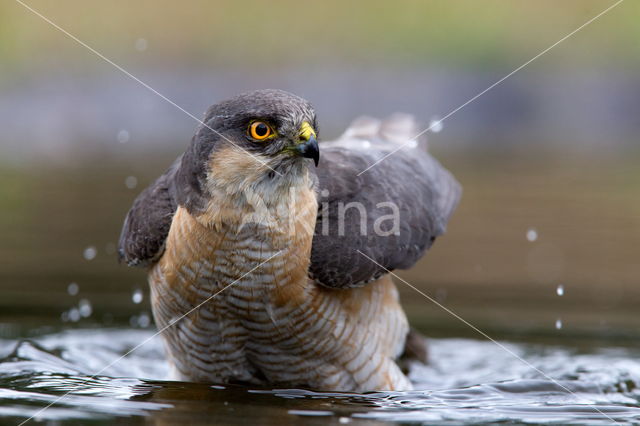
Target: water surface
{"x":468,"y":380}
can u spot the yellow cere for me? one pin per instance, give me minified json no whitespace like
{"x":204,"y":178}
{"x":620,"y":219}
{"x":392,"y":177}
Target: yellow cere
{"x":306,"y":131}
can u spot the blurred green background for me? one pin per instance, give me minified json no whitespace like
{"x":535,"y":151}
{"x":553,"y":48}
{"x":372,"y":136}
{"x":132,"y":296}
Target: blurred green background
{"x":553,"y":149}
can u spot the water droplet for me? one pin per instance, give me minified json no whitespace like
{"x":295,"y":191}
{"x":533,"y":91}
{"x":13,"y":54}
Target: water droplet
{"x":366,"y":144}
{"x":133,"y":321}
{"x":558,"y":324}
{"x":344,"y":420}
{"x":412,"y":143}
{"x":123,"y":136}
{"x":73,"y":289}
{"x":90,"y":253}
{"x":560,"y":290}
{"x":532,"y":235}
{"x":85,"y":308}
{"x":137,"y":296}
{"x":74,"y":315}
{"x":141,"y":44}
{"x":131,"y":182}
{"x":144,"y":320}
{"x":435,"y":125}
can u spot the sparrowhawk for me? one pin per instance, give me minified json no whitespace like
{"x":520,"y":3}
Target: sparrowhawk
{"x":291,"y":257}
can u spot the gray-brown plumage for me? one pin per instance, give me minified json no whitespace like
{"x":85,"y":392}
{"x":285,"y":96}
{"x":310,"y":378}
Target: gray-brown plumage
{"x":305,"y":307}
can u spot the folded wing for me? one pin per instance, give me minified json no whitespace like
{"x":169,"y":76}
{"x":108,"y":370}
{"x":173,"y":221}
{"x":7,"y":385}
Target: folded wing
{"x":147,"y":224}
{"x":388,"y":216}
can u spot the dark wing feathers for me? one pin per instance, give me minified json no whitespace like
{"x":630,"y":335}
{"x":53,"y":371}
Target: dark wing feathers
{"x":147,"y":224}
{"x":423,"y":191}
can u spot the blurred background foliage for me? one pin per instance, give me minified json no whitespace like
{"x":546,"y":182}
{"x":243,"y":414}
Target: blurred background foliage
{"x":293,"y":33}
{"x":553,"y":148}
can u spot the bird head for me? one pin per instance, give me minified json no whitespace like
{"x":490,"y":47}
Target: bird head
{"x":263,"y":138}
{"x":270,"y":127}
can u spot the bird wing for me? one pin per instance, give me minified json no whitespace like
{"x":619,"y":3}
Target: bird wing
{"x":147,"y":224}
{"x":424,"y":192}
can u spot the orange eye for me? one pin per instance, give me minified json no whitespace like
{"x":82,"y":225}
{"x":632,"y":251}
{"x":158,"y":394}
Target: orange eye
{"x":260,"y":130}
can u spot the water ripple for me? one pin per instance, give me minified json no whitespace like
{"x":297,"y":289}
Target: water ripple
{"x":469,"y":381}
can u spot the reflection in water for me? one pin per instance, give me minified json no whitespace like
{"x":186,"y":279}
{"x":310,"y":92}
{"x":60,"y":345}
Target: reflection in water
{"x":471,"y":381}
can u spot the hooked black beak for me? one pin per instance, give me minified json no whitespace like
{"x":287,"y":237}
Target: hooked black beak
{"x":309,"y":149}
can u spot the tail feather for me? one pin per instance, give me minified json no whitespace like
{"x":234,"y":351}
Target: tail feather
{"x":397,"y":129}
{"x":415,"y":347}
